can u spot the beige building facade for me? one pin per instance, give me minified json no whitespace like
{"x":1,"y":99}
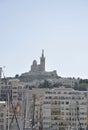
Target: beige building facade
{"x":3,"y":115}
{"x":64,"y":109}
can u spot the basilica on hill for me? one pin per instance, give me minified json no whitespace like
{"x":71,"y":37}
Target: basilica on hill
{"x":39,"y":69}
{"x":38,"y":73}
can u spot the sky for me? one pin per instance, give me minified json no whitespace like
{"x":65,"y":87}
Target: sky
{"x":60,"y":27}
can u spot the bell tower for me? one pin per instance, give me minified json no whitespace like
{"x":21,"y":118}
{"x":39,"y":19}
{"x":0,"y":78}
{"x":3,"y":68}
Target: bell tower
{"x":42,"y":62}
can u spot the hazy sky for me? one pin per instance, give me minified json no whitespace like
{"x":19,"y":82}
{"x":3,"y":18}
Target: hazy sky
{"x":60,"y":27}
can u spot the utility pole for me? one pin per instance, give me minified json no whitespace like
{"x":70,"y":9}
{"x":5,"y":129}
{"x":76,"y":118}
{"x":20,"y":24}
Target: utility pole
{"x":33,"y":122}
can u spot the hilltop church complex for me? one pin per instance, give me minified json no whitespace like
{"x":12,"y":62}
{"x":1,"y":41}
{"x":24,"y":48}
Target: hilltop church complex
{"x":38,"y":74}
{"x":39,"y":69}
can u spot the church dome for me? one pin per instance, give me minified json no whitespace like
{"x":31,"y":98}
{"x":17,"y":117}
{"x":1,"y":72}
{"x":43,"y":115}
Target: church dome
{"x":34,"y":62}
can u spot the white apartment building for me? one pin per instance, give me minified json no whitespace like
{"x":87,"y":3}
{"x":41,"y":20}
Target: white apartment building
{"x":64,"y":109}
{"x":3,"y":111}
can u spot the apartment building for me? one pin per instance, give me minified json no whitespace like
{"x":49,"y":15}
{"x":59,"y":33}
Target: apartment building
{"x":64,"y":109}
{"x":3,"y":110}
{"x":17,"y":89}
{"x":32,"y":105}
{"x":12,"y":93}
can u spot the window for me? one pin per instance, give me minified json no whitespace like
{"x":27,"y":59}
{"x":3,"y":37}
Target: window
{"x":62,"y":102}
{"x":1,"y":114}
{"x":1,"y":120}
{"x":67,"y":102}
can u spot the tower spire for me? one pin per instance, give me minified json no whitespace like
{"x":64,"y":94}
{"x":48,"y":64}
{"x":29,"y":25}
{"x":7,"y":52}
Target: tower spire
{"x":42,"y":52}
{"x":42,"y":61}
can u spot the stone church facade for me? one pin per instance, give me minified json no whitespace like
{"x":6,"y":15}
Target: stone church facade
{"x":36,"y":68}
{"x":39,"y":69}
